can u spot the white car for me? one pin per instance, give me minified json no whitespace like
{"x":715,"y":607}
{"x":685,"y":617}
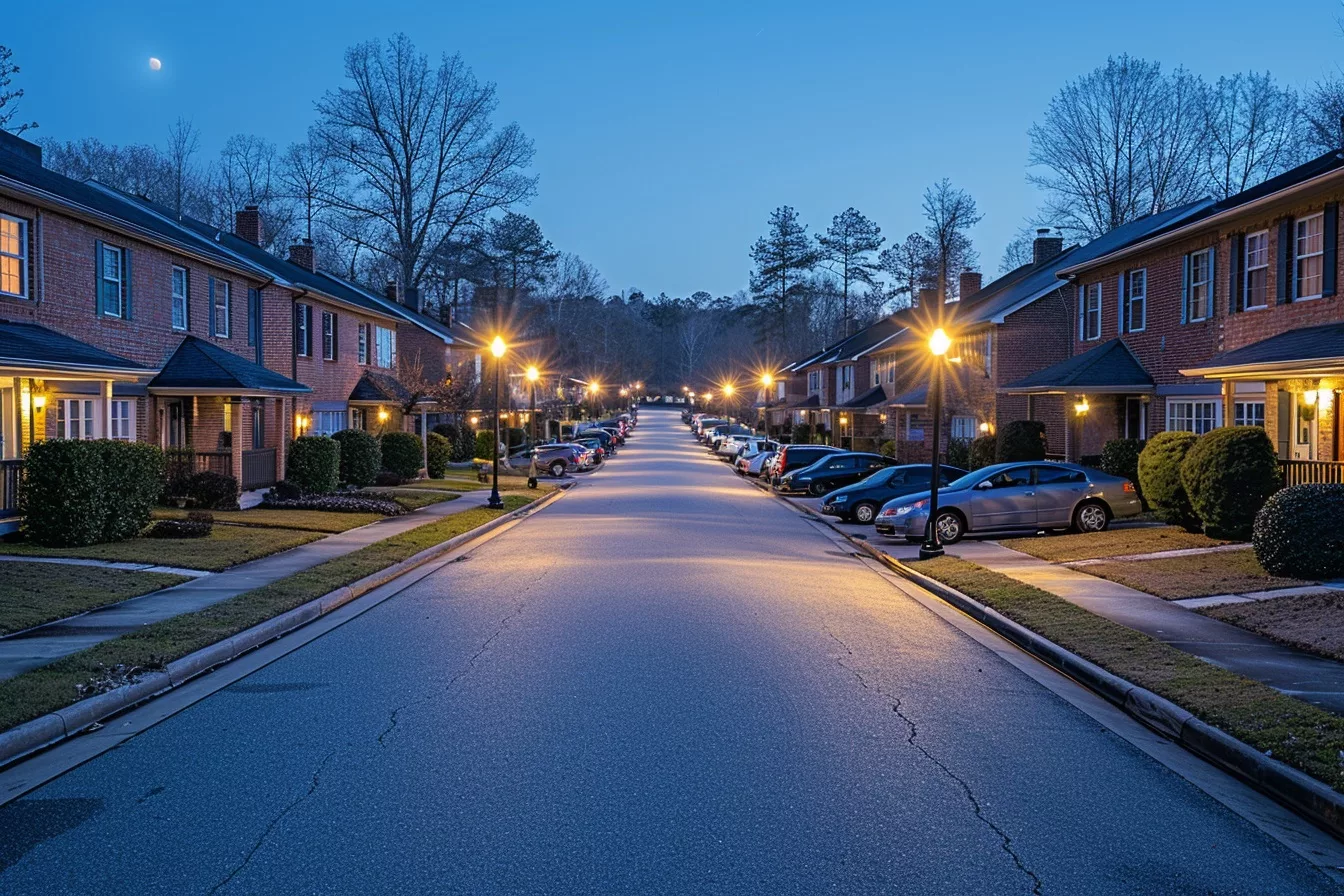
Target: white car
{"x":752,"y":466}
{"x":733,"y":445}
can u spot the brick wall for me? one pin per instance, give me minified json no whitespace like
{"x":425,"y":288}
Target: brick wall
{"x":1030,"y":340}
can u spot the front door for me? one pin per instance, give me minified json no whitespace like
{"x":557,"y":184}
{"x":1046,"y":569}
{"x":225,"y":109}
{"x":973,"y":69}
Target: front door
{"x":1285,"y":434}
{"x":1006,"y":500}
{"x":177,"y":424}
{"x":1136,"y":421}
{"x":1304,"y":428}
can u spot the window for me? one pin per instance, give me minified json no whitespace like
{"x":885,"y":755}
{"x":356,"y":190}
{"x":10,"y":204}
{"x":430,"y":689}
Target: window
{"x":1249,"y":413}
{"x":1136,"y":301}
{"x":1091,"y":316}
{"x":123,"y":420}
{"x":111,"y":283}
{"x":254,"y":317}
{"x":814,"y":381}
{"x":358,"y":420}
{"x":1017,"y":476}
{"x":74,"y":419}
{"x":328,"y":336}
{"x":385,"y":347}
{"x":1198,"y":285}
{"x":1256,"y":279}
{"x":363,"y":343}
{"x":1199,"y":417}
{"x":13,"y":256}
{"x":303,"y":339}
{"x":963,"y":428}
{"x":846,"y":378}
{"x":1047,"y":475}
{"x":327,"y":422}
{"x":180,"y":280}
{"x":1310,"y":252}
{"x":222,"y":307}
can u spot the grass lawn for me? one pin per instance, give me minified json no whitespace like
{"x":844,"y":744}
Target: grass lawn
{"x":275,"y":518}
{"x":51,"y":687}
{"x":227,"y":546}
{"x":1299,"y":734}
{"x":1194,"y":575}
{"x":1312,"y":622}
{"x":412,"y":498}
{"x":40,"y":592}
{"x":1111,"y":543}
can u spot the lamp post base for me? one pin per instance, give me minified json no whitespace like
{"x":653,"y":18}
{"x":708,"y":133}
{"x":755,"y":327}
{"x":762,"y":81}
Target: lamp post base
{"x":928,"y":550}
{"x":495,"y":502}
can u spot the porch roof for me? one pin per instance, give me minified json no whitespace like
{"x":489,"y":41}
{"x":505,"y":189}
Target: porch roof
{"x":379,"y":388}
{"x":917,"y":397}
{"x":811,"y":402}
{"x":1305,"y":352}
{"x":198,"y":367}
{"x":873,"y":396}
{"x":32,"y":347}
{"x":1109,"y":368}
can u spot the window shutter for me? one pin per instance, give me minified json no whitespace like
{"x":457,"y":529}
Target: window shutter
{"x":1213,"y":283}
{"x":1330,"y":262}
{"x":1185,"y":289}
{"x":210,"y":308}
{"x":1082,"y":312}
{"x":308,"y":329}
{"x":1122,"y":300}
{"x":187,"y":316}
{"x":335,"y":335}
{"x":1284,"y":287}
{"x":1235,"y":299}
{"x":98,"y":278}
{"x":126,"y":284}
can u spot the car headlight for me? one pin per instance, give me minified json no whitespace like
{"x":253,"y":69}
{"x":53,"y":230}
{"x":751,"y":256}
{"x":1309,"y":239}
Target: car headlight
{"x":840,"y":499}
{"x":910,"y":508}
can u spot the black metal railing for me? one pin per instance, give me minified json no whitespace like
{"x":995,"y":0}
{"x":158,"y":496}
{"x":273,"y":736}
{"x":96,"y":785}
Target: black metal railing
{"x":1304,"y":472}
{"x":258,"y":468}
{"x":11,"y":477}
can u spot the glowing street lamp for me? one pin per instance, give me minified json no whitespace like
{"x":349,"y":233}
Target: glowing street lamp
{"x":939,"y":343}
{"x":728,"y":391}
{"x":497,"y":348}
{"x":533,"y":374}
{"x":767,"y":380}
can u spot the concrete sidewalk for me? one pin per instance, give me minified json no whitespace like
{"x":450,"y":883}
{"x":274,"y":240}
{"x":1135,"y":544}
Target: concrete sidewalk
{"x":44,"y":644}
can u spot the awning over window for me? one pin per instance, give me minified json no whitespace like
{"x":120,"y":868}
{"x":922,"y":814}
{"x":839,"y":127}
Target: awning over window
{"x":1109,"y":368}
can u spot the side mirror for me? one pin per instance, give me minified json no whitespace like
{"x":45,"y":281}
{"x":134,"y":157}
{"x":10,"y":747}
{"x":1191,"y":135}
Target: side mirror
{"x":984,"y":485}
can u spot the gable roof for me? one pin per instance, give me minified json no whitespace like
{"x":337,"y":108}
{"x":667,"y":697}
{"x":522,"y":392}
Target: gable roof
{"x":1109,"y":367}
{"x":421,"y":320}
{"x":917,"y":397}
{"x":380,"y":387}
{"x":200,"y":368}
{"x":32,"y":346}
{"x":873,"y":396}
{"x":1306,"y":351}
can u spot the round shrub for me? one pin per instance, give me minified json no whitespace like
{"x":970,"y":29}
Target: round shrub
{"x":1021,"y":440}
{"x":1228,"y":475}
{"x":403,"y":454}
{"x":982,"y":452}
{"x":78,"y":493}
{"x":485,"y":441}
{"x":361,"y":457}
{"x":211,"y":491}
{"x":464,"y":446}
{"x":958,"y":453}
{"x":1160,"y":478}
{"x":888,"y":449}
{"x":314,"y":464}
{"x":1297,"y":533}
{"x":180,"y":529}
{"x":440,"y":455}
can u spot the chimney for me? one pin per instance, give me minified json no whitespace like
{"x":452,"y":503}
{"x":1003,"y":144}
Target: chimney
{"x":927,"y":296}
{"x":304,"y":255}
{"x":390,"y":290}
{"x":970,"y":284}
{"x":17,"y":146}
{"x":247,"y":224}
{"x":1045,"y":246}
{"x":410,"y":297}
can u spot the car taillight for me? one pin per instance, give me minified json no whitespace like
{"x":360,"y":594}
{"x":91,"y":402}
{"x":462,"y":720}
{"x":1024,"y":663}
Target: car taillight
{"x":1129,"y":487}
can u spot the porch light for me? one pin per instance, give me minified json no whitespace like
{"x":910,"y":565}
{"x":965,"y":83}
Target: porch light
{"x":843,"y":419}
{"x":1081,"y":407}
{"x":475,"y":420}
{"x":382,"y":415}
{"x":984,"y":427}
{"x":1309,"y":397}
{"x":39,"y":401}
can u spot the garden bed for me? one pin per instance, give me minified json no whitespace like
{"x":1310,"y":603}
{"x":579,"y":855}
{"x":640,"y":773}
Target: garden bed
{"x":35,"y":593}
{"x":1112,"y":543}
{"x":273,"y":518}
{"x":1193,"y":575}
{"x":226,"y":546}
{"x":1310,"y":622}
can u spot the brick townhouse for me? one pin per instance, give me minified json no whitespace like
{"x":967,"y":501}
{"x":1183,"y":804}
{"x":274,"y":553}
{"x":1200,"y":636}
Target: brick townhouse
{"x":1227,"y":316}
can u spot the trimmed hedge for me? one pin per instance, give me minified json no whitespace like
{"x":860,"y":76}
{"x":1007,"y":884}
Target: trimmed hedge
{"x":1297,"y":533}
{"x":337,"y":504}
{"x":440,"y":455}
{"x":888,"y":449}
{"x":959,"y":453}
{"x":403,"y":454}
{"x":314,"y":464}
{"x":78,"y":493}
{"x":485,"y":440}
{"x":1021,"y":440}
{"x":211,"y":491}
{"x":180,"y":529}
{"x":1120,"y":457}
{"x":1228,"y":475}
{"x":361,"y":457}
{"x":983,"y":450}
{"x":1160,"y":478}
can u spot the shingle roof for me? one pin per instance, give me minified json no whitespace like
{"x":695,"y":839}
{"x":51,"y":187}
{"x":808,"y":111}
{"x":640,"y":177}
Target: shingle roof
{"x":1305,"y":345}
{"x":424,"y":321}
{"x":380,"y":387}
{"x":917,"y":397}
{"x":873,"y":396}
{"x":1110,"y":367}
{"x":808,"y":403}
{"x":31,"y":345}
{"x":205,"y":367}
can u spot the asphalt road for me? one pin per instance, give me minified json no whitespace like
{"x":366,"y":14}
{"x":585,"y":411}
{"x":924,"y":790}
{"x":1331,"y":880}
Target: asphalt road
{"x":667,"y":682}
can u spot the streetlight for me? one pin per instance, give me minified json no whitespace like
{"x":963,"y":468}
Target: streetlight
{"x":593,"y":388}
{"x":767,"y":381}
{"x":1081,"y":409}
{"x":728,"y":391}
{"x":533,"y":374}
{"x":844,"y":421}
{"x":939,"y":343}
{"x":497,"y":348}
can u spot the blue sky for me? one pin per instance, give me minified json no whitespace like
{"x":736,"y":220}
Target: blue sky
{"x":665,"y":135}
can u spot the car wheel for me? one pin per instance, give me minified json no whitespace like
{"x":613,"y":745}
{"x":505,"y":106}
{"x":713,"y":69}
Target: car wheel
{"x":817,"y":489}
{"x":558,"y":469}
{"x":1091,"y":517}
{"x":865,"y":513}
{"x":950,"y":526}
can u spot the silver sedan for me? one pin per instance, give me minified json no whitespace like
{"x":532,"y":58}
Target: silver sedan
{"x":1040,"y":495}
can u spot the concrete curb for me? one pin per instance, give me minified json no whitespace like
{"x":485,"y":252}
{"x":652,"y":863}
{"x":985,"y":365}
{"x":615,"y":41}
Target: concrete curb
{"x":51,"y":729}
{"x":1294,"y":789}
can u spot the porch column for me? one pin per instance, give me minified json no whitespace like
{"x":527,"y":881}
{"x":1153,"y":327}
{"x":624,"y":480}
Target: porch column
{"x":105,"y":392}
{"x":242,"y":435}
{"x":277,"y":437}
{"x":1229,"y":402}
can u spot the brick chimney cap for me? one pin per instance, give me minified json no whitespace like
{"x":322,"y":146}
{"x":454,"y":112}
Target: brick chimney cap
{"x":251,"y":207}
{"x":1042,"y":231}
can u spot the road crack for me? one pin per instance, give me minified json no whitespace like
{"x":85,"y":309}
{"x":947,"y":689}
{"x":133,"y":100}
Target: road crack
{"x":1005,"y":841}
{"x":266,"y":833}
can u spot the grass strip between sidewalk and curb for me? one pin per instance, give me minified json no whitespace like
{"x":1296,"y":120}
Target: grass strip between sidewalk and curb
{"x":53,"y":687}
{"x":35,"y":593}
{"x":1193,"y":575}
{"x":1112,"y":543}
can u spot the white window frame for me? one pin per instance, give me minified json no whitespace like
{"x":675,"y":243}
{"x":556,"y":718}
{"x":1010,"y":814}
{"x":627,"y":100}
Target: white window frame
{"x":84,"y":412}
{"x":180,"y":297}
{"x":224,"y":289}
{"x":1300,"y":257}
{"x":385,"y":349}
{"x":814,"y":381}
{"x":328,"y":336}
{"x":1242,"y":415}
{"x":327,"y":422}
{"x":1252,"y":265}
{"x":364,"y":344}
{"x":1195,"y":284}
{"x":1091,"y":308}
{"x":118,"y":255}
{"x":121,"y":417}
{"x":1140,"y":299}
{"x":1188,"y":414}
{"x":20,"y":259}
{"x":962,"y":427}
{"x":304,"y":313}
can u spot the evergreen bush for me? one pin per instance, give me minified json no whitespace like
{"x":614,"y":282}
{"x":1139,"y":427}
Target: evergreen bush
{"x":1160,"y":478}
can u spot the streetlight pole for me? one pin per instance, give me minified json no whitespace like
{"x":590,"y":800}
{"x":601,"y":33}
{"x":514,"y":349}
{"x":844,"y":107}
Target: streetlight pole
{"x":767,"y":381}
{"x":497,"y":348}
{"x":532,"y":376}
{"x":727,"y":397}
{"x":939,"y":343}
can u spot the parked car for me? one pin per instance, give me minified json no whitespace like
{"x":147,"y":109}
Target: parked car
{"x":593,"y":444}
{"x":795,"y":457}
{"x":1015,"y":496}
{"x":722,"y":431}
{"x":732,"y":440}
{"x":753,"y":466}
{"x":860,"y":502}
{"x":834,"y":471}
{"x":704,"y":424}
{"x":560,"y":457}
{"x":607,"y":439}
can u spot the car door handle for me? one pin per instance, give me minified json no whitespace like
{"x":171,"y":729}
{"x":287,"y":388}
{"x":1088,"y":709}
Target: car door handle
{"x":1028,"y":494}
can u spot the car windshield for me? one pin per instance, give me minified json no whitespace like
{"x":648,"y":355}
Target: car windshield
{"x":881,"y":477}
{"x":966,"y":481}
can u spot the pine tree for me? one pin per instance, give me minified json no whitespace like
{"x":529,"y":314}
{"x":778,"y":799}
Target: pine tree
{"x":846,"y":250}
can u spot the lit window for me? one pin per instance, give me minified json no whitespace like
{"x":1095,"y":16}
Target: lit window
{"x":74,"y":419}
{"x":1256,"y":280}
{"x":1198,"y":417}
{"x":179,"y":298}
{"x":13,"y":256}
{"x":1199,"y":285}
{"x":1249,"y":413}
{"x":1310,"y":251}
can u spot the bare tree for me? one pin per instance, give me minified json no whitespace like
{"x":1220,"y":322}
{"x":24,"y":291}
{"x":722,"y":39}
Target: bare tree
{"x":1019,"y":251}
{"x":950,"y":212}
{"x":910,"y":264}
{"x":183,"y":143}
{"x":307,"y":174}
{"x":9,"y":99}
{"x":847,"y":249}
{"x":423,"y":155}
{"x":1253,"y":131}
